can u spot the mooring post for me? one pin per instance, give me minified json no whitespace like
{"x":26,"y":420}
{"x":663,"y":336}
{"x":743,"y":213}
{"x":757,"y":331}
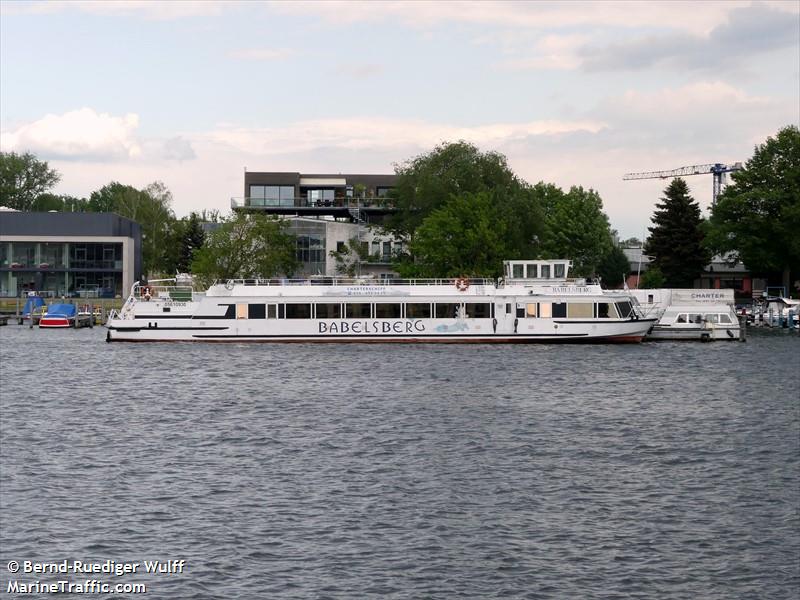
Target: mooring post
{"x":743,"y":328}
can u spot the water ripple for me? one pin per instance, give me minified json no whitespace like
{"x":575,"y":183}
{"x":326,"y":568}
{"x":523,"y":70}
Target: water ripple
{"x":665,"y":471}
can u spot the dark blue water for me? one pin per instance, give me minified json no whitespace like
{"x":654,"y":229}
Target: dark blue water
{"x":662,"y":470}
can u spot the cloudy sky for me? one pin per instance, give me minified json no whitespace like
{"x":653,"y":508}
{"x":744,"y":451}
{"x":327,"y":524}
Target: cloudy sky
{"x":192,"y":93}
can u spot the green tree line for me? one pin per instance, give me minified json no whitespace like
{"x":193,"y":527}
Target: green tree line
{"x":461,"y":211}
{"x":755,"y":220}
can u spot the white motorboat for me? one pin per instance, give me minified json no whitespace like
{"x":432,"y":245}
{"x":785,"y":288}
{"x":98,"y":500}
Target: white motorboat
{"x":690,"y":314}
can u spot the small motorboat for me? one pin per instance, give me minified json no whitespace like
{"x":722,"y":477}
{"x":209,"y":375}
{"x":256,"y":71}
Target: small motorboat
{"x":59,"y":316}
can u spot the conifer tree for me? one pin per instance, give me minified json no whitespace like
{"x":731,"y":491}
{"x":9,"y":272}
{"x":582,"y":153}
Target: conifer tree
{"x":676,"y":239}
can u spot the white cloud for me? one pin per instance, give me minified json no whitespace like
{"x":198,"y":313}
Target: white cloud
{"x":698,"y":18}
{"x":551,"y":52}
{"x":263,"y":54}
{"x":77,"y":134}
{"x":149,"y":9}
{"x":383,"y":133}
{"x":85,"y":134}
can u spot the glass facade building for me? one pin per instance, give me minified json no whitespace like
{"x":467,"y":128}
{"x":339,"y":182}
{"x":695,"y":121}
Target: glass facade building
{"x":94,"y":255}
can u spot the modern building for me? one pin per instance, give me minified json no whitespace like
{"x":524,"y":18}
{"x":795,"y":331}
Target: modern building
{"x":359,"y":198}
{"x":68,"y":254}
{"x":326,"y":212}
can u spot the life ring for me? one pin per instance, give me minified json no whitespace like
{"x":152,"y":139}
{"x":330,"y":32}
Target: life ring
{"x":462,"y":284}
{"x":229,"y":285}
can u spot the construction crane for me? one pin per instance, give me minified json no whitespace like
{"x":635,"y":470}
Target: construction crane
{"x":718,"y":170}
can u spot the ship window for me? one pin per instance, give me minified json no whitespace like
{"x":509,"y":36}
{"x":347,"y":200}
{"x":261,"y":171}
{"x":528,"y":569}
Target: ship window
{"x":258,"y":311}
{"x":545,"y":310}
{"x":520,"y":311}
{"x":606,"y":310}
{"x":558,"y":271}
{"x":681,"y":319}
{"x":479,"y":310}
{"x":241,"y":311}
{"x":418,"y":310}
{"x":695,"y":318}
{"x":533,"y":271}
{"x":447,"y":310}
{"x":712,"y":318}
{"x":546,"y":271}
{"x":559,"y":310}
{"x":531,"y":310}
{"x":358,"y":310}
{"x":518,"y":271}
{"x":624,"y":309}
{"x":166,"y":309}
{"x":329,"y":311}
{"x":725,"y":319}
{"x":298,"y":311}
{"x":580,"y":310}
{"x":281,"y":311}
{"x":271,"y":311}
{"x":384,"y":310}
{"x":508,"y":308}
{"x":230,"y":312}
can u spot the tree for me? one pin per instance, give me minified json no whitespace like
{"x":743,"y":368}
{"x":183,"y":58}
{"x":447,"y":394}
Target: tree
{"x":246,"y":246}
{"x":757,"y":218}
{"x":576,"y":228}
{"x":462,"y":237}
{"x":676,"y":239}
{"x":187,"y":238}
{"x":151,"y":209}
{"x":22,"y":178}
{"x":427,"y":182}
{"x":60,"y":203}
{"x":653,"y":278}
{"x":614,"y":268}
{"x":349,"y":259}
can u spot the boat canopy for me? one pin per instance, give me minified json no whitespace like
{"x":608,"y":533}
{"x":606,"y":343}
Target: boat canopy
{"x":32,"y":303}
{"x":62,"y":310}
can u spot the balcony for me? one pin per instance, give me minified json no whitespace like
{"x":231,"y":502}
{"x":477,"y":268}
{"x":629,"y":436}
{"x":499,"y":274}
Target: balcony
{"x":343,"y":202}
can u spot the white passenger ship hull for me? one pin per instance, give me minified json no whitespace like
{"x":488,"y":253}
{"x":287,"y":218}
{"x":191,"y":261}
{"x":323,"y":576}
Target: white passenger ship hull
{"x":442,"y":312}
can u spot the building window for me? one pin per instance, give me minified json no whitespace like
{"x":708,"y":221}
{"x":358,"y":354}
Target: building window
{"x":320,"y":197}
{"x":382,"y":192}
{"x":271,"y":195}
{"x":340,"y":246}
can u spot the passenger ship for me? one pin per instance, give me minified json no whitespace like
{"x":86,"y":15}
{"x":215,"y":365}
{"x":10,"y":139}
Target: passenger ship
{"x":534,"y":302}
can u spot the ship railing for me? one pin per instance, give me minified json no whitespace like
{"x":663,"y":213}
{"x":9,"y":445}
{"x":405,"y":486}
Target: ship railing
{"x":351,"y":281}
{"x":155,"y":289}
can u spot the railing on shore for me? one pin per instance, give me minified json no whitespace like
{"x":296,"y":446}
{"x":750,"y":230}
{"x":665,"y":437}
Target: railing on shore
{"x":338,"y":202}
{"x":11,"y":307}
